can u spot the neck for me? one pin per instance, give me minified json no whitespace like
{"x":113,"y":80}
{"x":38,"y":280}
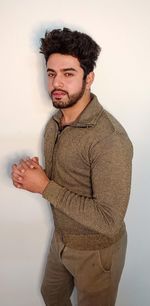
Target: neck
{"x":70,"y":114}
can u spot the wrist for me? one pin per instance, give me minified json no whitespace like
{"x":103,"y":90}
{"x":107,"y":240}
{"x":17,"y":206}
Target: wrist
{"x":44,"y":184}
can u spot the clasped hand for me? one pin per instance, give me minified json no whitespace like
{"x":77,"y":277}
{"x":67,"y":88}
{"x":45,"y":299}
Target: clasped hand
{"x":29,"y":175}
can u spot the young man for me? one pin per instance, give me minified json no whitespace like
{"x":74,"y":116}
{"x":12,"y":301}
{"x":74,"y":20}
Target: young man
{"x":87,"y":178}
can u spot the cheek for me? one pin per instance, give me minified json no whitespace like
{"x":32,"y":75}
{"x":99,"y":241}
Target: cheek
{"x":74,"y":85}
{"x":49,"y":85}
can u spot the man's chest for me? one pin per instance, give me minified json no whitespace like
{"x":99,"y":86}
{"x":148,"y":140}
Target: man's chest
{"x":67,"y":157}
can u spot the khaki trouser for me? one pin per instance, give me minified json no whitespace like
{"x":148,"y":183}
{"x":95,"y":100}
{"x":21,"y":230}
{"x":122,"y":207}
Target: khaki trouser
{"x":95,"y":274}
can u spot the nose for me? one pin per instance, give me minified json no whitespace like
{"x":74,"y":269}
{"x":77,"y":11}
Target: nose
{"x":58,"y":82}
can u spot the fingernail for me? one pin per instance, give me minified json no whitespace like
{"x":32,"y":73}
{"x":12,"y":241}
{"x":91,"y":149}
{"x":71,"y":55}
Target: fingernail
{"x":32,"y":166}
{"x":22,"y":170}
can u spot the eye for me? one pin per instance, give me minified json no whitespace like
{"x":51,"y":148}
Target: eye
{"x":69,"y":74}
{"x":51,"y":75}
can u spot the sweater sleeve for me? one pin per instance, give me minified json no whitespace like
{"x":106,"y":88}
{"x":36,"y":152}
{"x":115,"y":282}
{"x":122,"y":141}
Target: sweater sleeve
{"x":110,"y":181}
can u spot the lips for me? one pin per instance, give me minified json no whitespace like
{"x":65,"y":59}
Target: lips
{"x":58,"y":94}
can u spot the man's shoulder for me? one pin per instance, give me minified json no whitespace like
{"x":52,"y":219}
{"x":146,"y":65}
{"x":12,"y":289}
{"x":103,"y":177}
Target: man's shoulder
{"x":104,"y":120}
{"x":108,"y":126}
{"x":111,"y":123}
{"x":109,"y":134}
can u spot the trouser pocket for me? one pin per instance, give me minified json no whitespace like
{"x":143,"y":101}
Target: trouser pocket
{"x":105,"y":258}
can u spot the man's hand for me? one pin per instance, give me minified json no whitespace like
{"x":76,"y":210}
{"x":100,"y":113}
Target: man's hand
{"x":29,"y":175}
{"x":20,"y":168}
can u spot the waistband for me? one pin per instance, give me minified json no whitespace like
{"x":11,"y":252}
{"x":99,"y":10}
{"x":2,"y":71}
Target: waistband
{"x":89,"y":241}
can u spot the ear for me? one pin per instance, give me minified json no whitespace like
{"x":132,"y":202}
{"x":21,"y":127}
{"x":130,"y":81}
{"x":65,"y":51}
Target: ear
{"x":89,"y":79}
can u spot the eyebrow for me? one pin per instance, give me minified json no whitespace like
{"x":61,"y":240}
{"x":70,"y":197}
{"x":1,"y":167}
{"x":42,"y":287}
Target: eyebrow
{"x":65,"y":69}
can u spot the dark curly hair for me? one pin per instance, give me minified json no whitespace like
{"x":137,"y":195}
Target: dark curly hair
{"x":74,"y":43}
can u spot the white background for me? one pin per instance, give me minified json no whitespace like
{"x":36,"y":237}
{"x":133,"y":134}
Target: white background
{"x":122,"y":28}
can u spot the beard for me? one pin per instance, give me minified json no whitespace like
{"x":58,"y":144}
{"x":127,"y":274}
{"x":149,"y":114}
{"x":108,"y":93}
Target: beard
{"x":71,"y":99}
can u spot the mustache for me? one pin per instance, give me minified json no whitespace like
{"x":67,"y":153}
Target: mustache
{"x":58,"y":90}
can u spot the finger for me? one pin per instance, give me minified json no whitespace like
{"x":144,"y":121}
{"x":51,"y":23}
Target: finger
{"x":17,"y":185}
{"x":35,"y":159}
{"x":17,"y":178}
{"x":36,"y":165}
{"x":14,"y":167}
{"x":16,"y":170}
{"x":29,"y":163}
{"x":32,"y":164}
{"x":23,"y":166}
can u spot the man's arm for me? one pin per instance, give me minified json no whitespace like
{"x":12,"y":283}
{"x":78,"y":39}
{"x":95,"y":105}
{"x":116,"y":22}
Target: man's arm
{"x":110,"y":179}
{"x":104,"y":211}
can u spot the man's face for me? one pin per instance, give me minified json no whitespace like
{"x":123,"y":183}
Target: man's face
{"x":65,"y":80}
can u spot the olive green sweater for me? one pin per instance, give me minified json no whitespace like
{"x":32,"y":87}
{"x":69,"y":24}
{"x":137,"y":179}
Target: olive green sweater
{"x":89,"y":167}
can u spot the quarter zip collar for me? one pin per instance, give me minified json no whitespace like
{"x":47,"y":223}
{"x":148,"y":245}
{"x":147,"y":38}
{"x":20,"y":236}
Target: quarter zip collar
{"x":88,"y":116}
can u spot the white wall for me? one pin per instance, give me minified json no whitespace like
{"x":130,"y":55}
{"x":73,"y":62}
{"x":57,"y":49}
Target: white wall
{"x":122,"y":85}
